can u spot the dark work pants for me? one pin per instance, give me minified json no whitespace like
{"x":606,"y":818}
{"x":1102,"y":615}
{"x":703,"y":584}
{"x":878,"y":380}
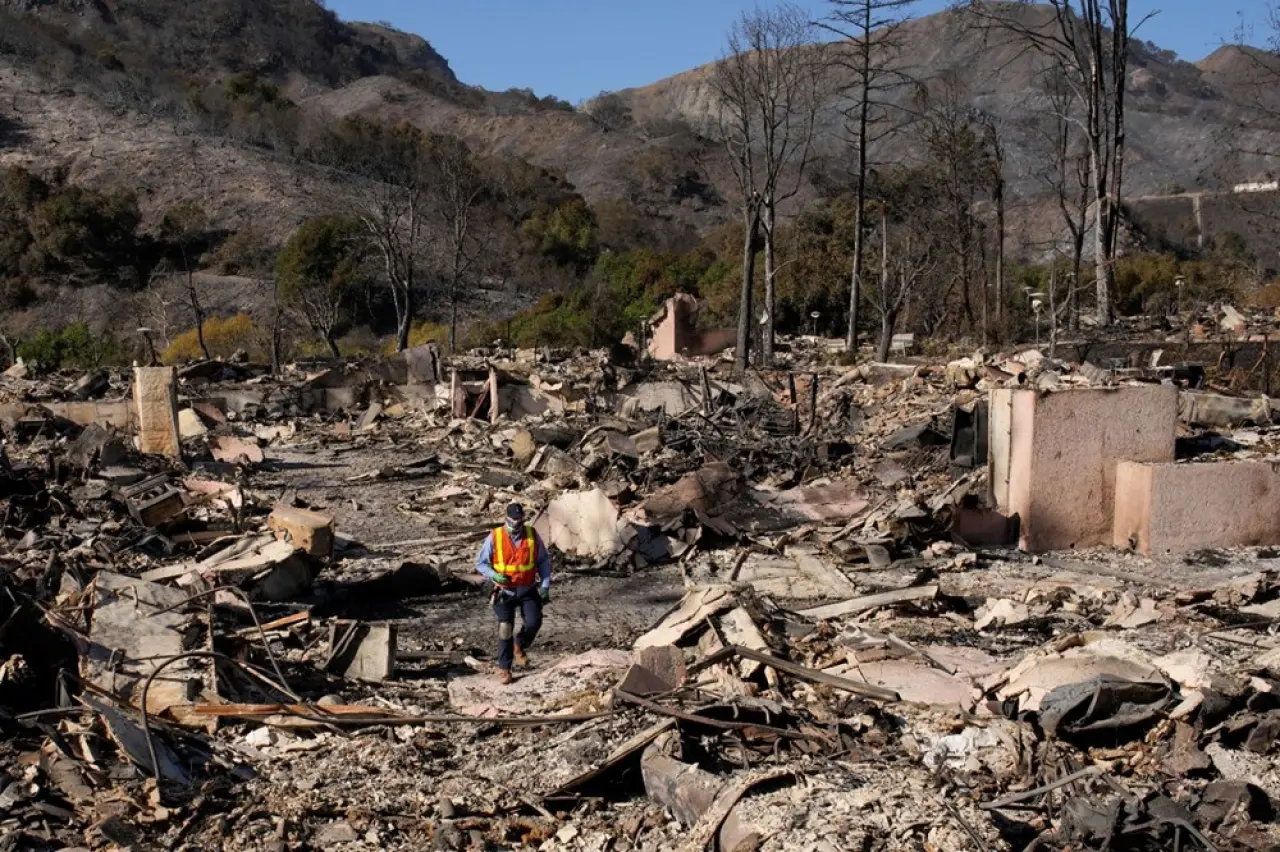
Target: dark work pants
{"x":505,"y":606}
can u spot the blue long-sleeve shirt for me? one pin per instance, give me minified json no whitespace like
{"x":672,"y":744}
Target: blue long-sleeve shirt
{"x":541,"y":561}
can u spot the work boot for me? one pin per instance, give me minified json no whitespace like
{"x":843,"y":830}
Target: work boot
{"x":522,"y":659}
{"x":504,"y":676}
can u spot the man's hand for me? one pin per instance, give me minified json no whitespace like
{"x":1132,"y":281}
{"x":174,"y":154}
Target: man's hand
{"x":545,"y":594}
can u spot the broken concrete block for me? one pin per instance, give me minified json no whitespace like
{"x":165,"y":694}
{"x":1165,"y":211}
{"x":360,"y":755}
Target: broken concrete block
{"x":504,"y":479}
{"x":231,"y":450}
{"x":155,"y":393}
{"x":211,"y":410}
{"x":342,"y":399}
{"x":336,"y":833}
{"x":284,"y":580}
{"x":1053,"y":456}
{"x":362,"y":651}
{"x":673,"y":398}
{"x":800,"y":575}
{"x":190,"y":425}
{"x":665,"y":661}
{"x":1174,"y":508}
{"x":583,"y":523}
{"x":739,"y":629}
{"x":640,"y":681}
{"x":1233,"y":321}
{"x":310,"y":532}
{"x":18,"y":370}
{"x":1190,"y":667}
{"x":648,"y":440}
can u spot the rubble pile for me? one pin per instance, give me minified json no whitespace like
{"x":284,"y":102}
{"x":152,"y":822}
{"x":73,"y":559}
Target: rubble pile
{"x":239,"y":611}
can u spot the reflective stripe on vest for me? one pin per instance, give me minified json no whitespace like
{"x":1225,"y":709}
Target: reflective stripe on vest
{"x":512,"y":562}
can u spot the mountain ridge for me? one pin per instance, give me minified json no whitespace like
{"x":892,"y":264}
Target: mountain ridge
{"x":92,"y":92}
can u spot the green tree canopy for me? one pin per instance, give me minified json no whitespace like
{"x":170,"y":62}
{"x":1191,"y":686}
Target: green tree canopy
{"x":319,"y":271}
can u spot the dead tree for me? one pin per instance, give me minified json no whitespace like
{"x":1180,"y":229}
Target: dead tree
{"x":1057,"y":307}
{"x":871,"y":66}
{"x":732,"y":85}
{"x":955,"y":141}
{"x":393,"y":176}
{"x":1064,"y":171}
{"x":185,"y":225}
{"x":768,"y":87}
{"x":455,"y":200}
{"x":911,"y":247}
{"x":996,"y":174}
{"x":1089,"y":41}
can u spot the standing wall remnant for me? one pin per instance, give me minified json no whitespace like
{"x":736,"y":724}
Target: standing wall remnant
{"x":1052,"y":457}
{"x":155,"y":391}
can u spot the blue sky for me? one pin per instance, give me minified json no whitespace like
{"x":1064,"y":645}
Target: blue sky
{"x":574,"y":49}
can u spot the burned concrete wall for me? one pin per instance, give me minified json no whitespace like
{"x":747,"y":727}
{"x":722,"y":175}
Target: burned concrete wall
{"x":675,"y":331}
{"x":1053,"y":456}
{"x":155,"y":390}
{"x":1176,"y":508}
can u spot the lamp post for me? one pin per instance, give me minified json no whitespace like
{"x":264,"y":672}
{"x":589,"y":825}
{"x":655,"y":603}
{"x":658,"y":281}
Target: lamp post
{"x":813,"y":326}
{"x":145,"y":334}
{"x":1037,"y":305}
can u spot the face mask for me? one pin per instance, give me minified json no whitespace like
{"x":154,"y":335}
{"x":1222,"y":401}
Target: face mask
{"x":515,"y":528}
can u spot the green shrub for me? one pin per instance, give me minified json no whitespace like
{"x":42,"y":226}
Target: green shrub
{"x":223,"y":336}
{"x":73,"y":347}
{"x":420,"y":333}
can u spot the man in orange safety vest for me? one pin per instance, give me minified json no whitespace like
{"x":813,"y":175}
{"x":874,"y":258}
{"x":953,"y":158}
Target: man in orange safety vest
{"x":516,"y":561}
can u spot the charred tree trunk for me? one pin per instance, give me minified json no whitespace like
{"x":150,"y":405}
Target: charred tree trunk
{"x":770,"y":280}
{"x":742,"y":355}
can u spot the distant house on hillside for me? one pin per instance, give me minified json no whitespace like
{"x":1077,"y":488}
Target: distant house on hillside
{"x":1261,"y":183}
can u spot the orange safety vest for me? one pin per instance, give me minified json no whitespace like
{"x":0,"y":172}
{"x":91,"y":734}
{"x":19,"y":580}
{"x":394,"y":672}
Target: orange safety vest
{"x":511,"y":562}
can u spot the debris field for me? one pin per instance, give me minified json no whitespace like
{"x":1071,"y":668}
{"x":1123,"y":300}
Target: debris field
{"x":1002,"y":602}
